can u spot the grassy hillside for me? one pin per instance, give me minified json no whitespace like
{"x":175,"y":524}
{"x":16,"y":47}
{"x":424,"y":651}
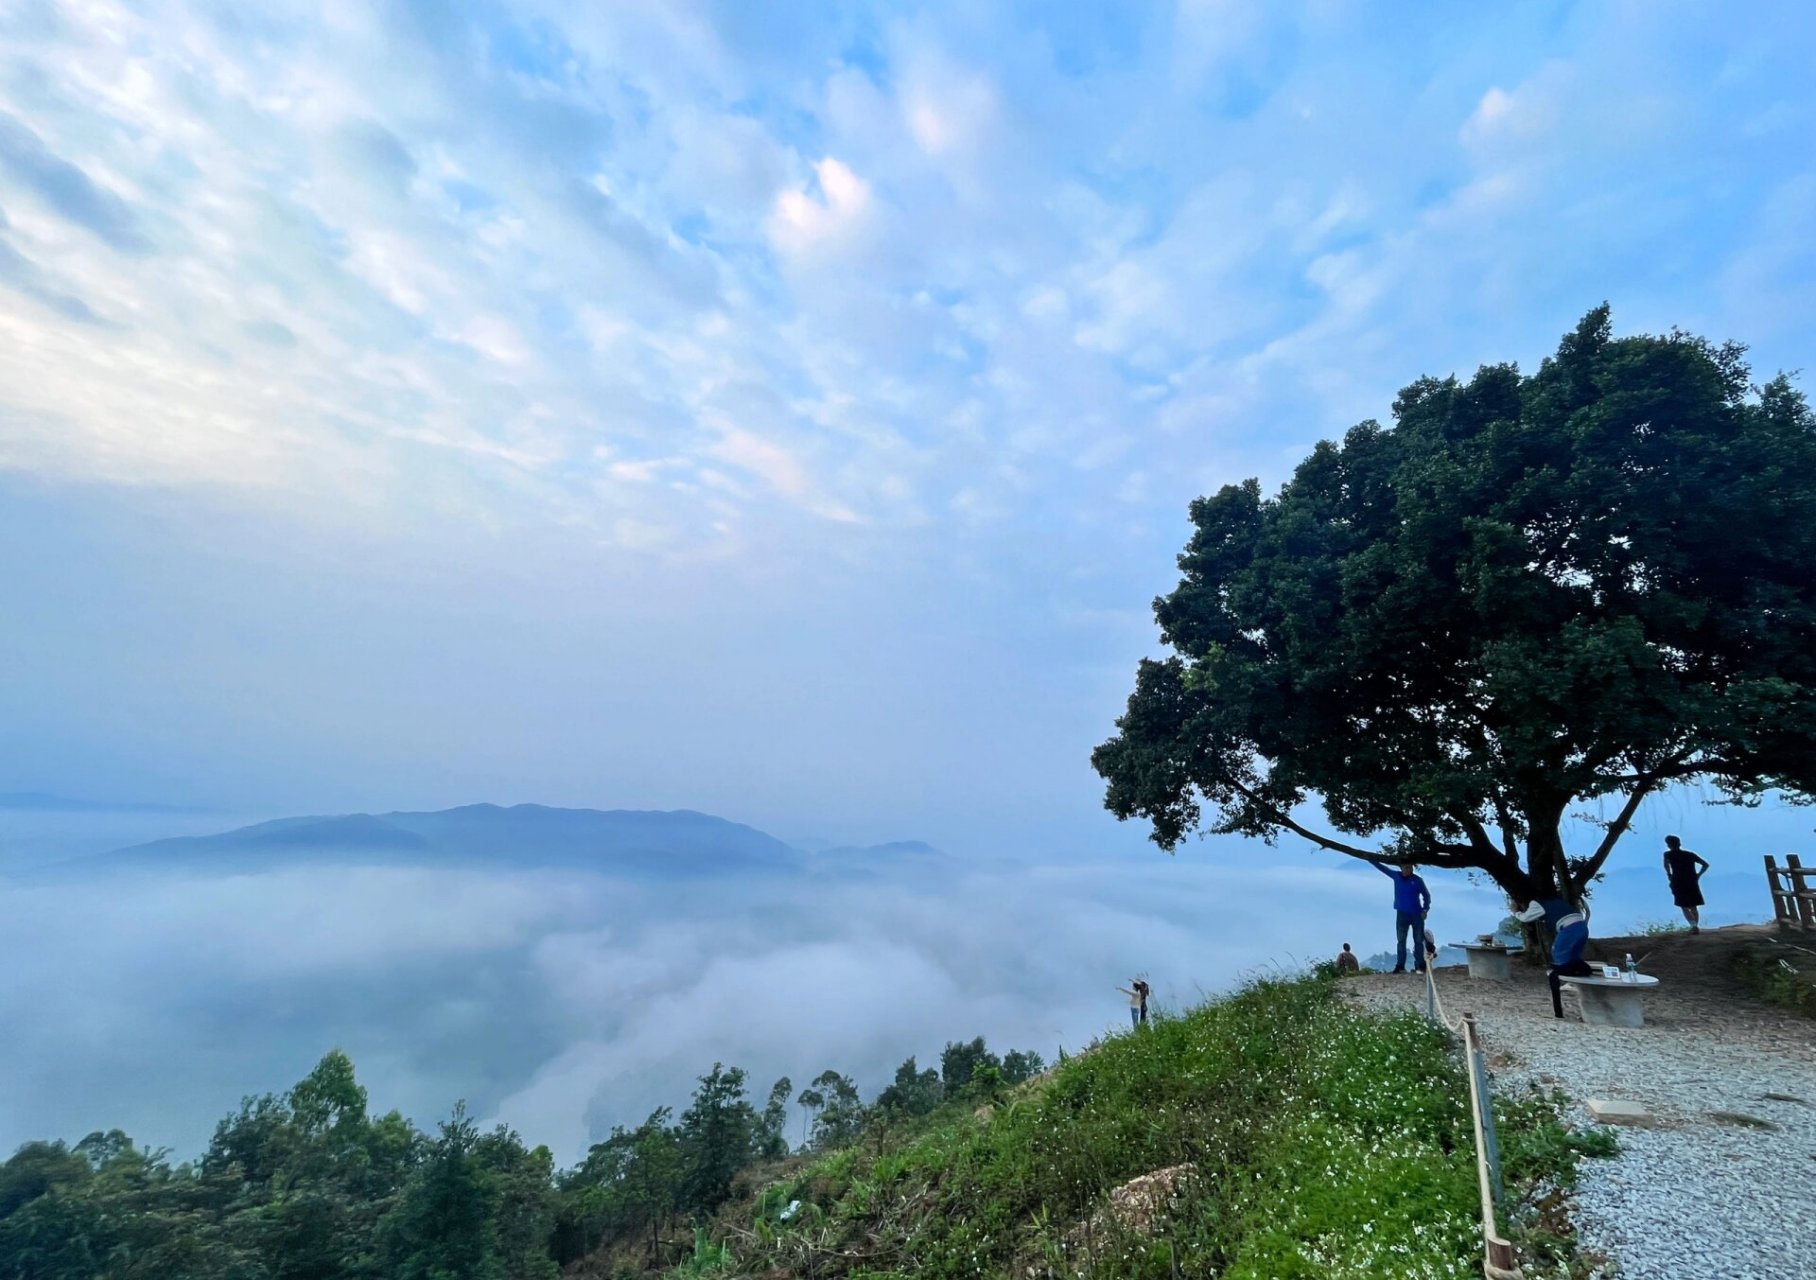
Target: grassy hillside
{"x":1275,"y":1134}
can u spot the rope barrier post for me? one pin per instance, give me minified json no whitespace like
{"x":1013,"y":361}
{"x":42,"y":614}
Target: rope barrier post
{"x":1478,"y":1063}
{"x":1498,"y":1262}
{"x":1497,"y":1252}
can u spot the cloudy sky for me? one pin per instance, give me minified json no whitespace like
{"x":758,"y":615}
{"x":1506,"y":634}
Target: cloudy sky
{"x":784,"y":411}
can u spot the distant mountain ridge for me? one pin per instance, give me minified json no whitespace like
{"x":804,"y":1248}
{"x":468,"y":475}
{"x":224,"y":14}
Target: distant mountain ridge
{"x":679,"y":842}
{"x":888,"y":849}
{"x":348,"y":831}
{"x":1383,"y":961}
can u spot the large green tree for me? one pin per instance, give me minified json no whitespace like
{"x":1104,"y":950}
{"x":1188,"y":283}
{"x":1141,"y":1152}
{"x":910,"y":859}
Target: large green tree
{"x":961,"y":1060}
{"x":302,"y":1180}
{"x":628,"y":1187}
{"x":840,"y":1111}
{"x":772,"y":1137}
{"x":914,"y":1092}
{"x":1531,"y":594}
{"x":445,"y":1226}
{"x":720,"y":1134}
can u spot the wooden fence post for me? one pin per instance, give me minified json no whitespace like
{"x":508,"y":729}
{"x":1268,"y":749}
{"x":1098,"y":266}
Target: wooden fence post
{"x":1801,"y":893}
{"x":1782,"y":911}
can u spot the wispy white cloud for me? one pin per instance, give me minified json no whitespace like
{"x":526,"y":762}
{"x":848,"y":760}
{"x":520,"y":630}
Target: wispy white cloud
{"x":432,"y":214}
{"x":822,"y":222}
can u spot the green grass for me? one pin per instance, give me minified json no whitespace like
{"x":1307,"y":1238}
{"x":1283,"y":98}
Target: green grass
{"x":1779,"y":974}
{"x":1660,"y":928}
{"x":1325,"y":1143}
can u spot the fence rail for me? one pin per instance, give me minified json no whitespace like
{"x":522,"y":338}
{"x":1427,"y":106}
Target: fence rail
{"x":1497,"y":1251}
{"x":1793,"y":889}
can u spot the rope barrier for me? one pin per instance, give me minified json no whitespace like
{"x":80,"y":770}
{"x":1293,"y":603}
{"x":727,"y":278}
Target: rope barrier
{"x":1497,"y":1252}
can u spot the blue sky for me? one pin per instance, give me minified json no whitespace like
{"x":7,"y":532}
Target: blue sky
{"x":782,"y":411}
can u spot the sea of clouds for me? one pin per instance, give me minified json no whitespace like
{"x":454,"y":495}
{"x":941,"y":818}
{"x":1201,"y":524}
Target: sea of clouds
{"x":563,"y":1003}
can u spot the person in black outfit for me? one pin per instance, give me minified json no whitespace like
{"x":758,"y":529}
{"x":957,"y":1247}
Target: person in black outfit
{"x":1684,"y":870}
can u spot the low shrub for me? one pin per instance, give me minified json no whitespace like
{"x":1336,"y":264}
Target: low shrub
{"x":1780,"y":975}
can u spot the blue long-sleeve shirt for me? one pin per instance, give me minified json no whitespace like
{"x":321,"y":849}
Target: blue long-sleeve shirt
{"x":1411,"y":897}
{"x":1572,"y":931}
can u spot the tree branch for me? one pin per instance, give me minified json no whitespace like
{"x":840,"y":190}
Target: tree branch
{"x":1478,"y":833}
{"x":1286,"y":820}
{"x":1456,"y":857}
{"x":1644,"y":785}
{"x":1503,"y":818}
{"x":1451,"y":856}
{"x":1674,"y":768}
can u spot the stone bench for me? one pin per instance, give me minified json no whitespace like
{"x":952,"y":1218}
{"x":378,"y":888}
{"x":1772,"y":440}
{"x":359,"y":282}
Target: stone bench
{"x":1612,"y":1002}
{"x":1487,"y":959}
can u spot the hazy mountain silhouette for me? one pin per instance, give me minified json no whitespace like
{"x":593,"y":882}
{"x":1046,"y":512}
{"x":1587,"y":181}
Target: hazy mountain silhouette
{"x":645,"y":842}
{"x":1383,"y":961}
{"x":888,"y":849}
{"x":1734,"y":889}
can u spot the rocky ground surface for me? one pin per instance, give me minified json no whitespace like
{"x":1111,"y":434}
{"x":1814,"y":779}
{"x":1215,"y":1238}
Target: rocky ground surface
{"x":1722,"y":1185}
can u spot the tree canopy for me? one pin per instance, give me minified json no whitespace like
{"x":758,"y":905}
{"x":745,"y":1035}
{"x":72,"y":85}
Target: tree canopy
{"x":1575,"y":587}
{"x":308,"y":1185}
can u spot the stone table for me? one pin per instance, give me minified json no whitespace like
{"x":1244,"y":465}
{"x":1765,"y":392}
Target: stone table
{"x":1613,"y":1002}
{"x":1487,"y":959}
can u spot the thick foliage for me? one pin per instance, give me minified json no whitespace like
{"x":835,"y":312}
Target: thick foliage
{"x":308,"y":1186}
{"x":1593,"y":581}
{"x":302,"y":1187}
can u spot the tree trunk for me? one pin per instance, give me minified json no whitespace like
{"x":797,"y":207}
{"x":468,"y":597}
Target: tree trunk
{"x":1546,"y":866}
{"x":1547,"y":870}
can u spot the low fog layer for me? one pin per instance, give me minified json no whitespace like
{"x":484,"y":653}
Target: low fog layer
{"x":563,"y":1002}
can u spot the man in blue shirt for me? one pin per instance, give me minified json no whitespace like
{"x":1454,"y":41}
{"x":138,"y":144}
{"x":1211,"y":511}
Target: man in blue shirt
{"x":1412,"y":903}
{"x":1570,"y":938}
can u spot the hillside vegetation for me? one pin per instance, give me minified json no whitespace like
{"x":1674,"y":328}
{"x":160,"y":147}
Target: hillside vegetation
{"x":1277,"y":1133}
{"x":1274,"y":1134}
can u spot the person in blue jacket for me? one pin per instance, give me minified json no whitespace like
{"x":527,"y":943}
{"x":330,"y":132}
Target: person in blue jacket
{"x":1570,"y":937}
{"x":1412,"y":903}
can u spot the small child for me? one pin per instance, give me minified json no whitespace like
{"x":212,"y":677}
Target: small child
{"x":1347,"y":962}
{"x":1137,"y":992}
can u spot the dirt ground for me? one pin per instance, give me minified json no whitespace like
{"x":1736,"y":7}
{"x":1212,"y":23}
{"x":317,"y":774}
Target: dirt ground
{"x":1698,"y":985}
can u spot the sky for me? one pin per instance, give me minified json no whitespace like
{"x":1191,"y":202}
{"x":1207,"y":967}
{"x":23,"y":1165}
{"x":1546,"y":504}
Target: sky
{"x":782,"y":411}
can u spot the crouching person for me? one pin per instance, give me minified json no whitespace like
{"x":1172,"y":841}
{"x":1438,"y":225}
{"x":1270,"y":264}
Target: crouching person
{"x":1570,"y":938}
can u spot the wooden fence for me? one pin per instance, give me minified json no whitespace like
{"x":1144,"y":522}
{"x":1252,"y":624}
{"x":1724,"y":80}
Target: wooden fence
{"x":1497,"y":1253}
{"x":1793,"y":892}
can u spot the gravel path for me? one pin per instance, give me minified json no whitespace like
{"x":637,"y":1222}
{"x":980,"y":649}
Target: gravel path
{"x":1705,"y":1194}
